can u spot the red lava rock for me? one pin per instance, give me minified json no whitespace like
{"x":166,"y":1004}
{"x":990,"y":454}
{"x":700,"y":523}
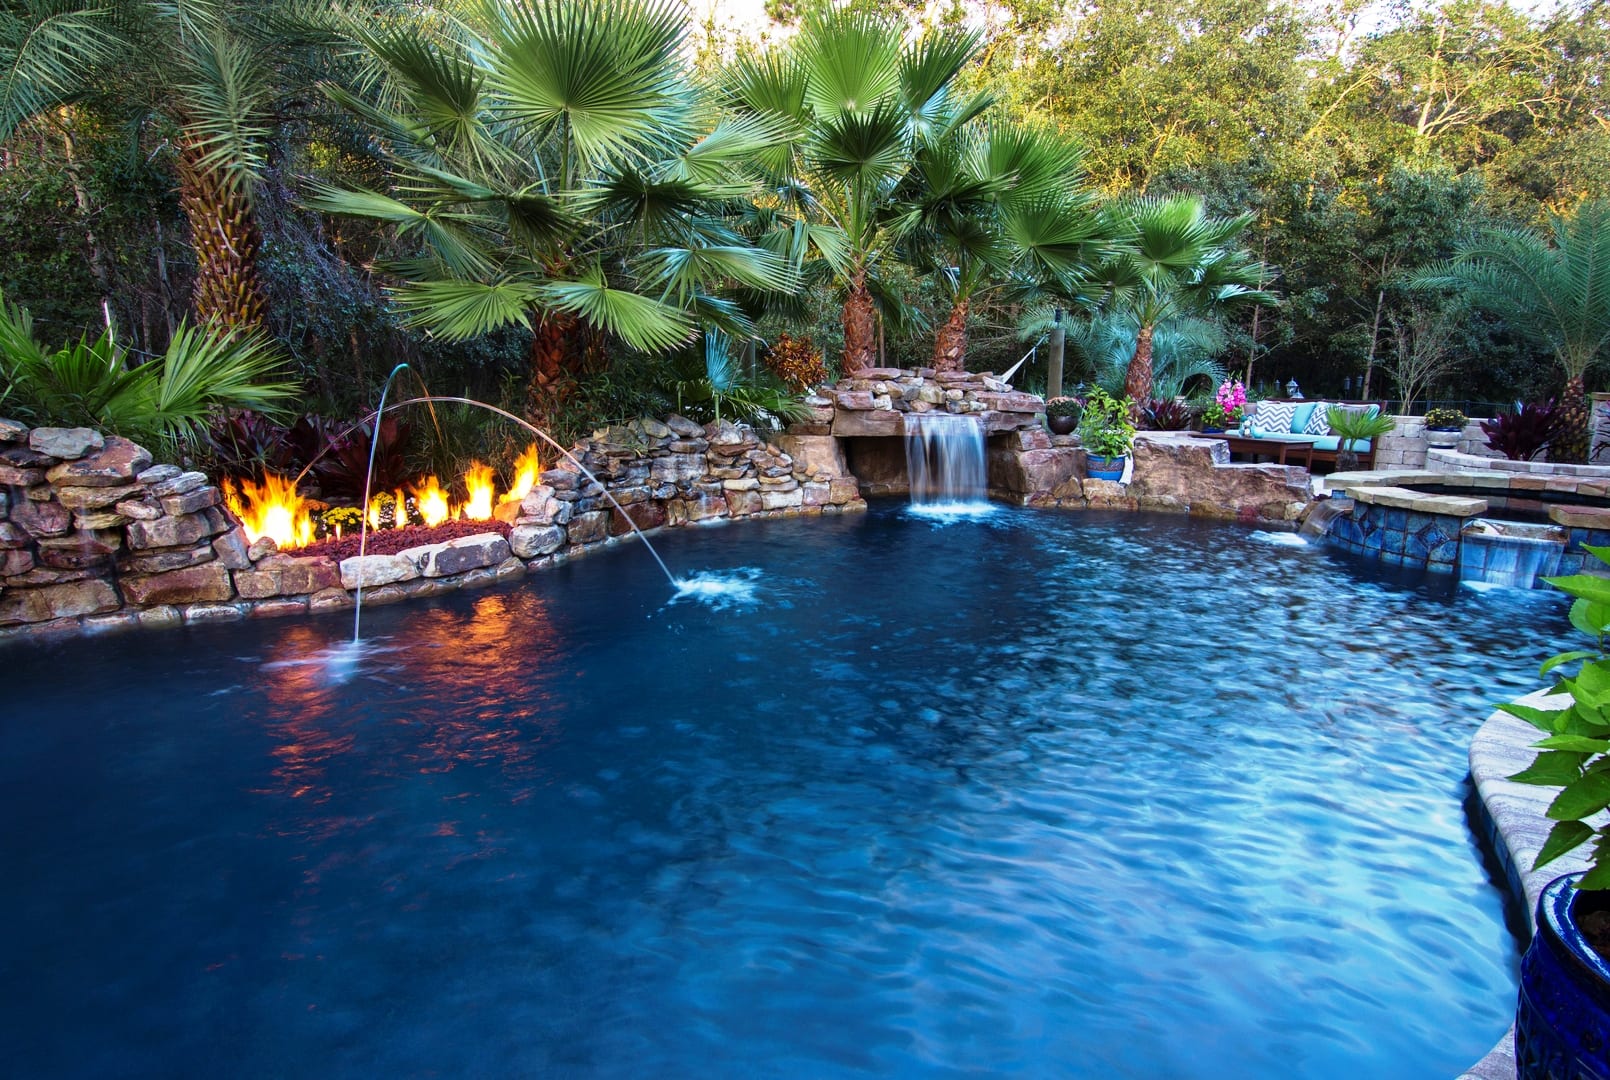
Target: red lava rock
{"x":391,"y":541}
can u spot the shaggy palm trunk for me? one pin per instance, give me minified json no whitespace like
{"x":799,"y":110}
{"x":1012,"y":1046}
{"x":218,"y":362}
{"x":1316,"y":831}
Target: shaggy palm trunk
{"x":1138,"y":379}
{"x":1571,"y":442}
{"x":860,"y":327}
{"x":553,"y":380}
{"x":950,"y":344}
{"x":226,"y":240}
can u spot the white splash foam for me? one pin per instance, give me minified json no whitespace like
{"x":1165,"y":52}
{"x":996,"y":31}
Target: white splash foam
{"x":1280,"y":539}
{"x":943,"y":513}
{"x":734,"y":588}
{"x":1483,"y":586}
{"x":337,"y":662}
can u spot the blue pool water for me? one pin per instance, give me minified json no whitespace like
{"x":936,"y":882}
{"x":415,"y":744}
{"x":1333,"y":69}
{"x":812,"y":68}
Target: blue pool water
{"x":1047,"y":794}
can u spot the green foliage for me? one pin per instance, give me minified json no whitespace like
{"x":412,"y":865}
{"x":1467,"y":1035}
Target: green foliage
{"x":167,"y":400}
{"x":1576,"y":750}
{"x":1446,"y":418}
{"x":1353,"y":424}
{"x":1105,"y":429}
{"x":1552,"y":288}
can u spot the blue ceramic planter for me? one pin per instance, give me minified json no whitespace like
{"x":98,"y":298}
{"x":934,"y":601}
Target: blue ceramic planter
{"x":1562,"y":1017}
{"x":1101,"y":468}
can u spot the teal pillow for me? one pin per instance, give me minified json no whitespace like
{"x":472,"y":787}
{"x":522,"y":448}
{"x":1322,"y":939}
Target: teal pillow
{"x":1299,"y":419}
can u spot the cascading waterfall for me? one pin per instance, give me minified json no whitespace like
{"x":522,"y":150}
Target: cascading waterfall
{"x":945,"y":464}
{"x":1510,"y":553}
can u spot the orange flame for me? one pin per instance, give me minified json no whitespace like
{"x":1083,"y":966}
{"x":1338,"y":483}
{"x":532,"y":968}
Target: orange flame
{"x":273,"y":509}
{"x":527,"y":467}
{"x":431,"y":501}
{"x":478,"y":482}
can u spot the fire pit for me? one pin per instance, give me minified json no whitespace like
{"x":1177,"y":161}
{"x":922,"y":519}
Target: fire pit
{"x":424,"y":509}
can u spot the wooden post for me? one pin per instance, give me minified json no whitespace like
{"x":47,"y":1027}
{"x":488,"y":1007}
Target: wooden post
{"x":1053,"y":366}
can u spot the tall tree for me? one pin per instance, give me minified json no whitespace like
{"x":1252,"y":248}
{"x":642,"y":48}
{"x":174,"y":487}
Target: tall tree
{"x":991,"y":206}
{"x":1173,"y":260}
{"x":858,"y":104}
{"x":557,"y":169}
{"x":1551,"y":287}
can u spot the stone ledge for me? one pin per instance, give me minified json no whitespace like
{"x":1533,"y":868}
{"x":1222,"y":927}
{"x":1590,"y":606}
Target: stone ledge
{"x":1517,"y":818}
{"x":1399,"y":498}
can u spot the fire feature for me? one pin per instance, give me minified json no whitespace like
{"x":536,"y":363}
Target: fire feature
{"x":275,"y":509}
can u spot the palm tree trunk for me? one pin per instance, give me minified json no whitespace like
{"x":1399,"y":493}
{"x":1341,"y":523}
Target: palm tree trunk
{"x":224,"y":234}
{"x":552,"y":380}
{"x":1138,"y":379}
{"x":1571,"y":444}
{"x":860,"y":326}
{"x":950,"y":344}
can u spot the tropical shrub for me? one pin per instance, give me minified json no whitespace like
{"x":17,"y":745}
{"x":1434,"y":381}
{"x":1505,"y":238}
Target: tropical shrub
{"x":168,"y":400}
{"x":1166,"y":414}
{"x":1105,"y":429}
{"x":1523,"y":434}
{"x":1576,"y":752}
{"x":797,"y":363}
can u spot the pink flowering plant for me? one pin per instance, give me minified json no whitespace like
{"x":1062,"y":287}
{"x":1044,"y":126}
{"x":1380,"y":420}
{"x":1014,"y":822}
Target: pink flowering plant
{"x":1227,"y":405}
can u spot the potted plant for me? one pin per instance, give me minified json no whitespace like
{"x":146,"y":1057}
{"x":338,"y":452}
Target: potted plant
{"x":1444,"y":426}
{"x":1562,"y":1017}
{"x":1107,"y":434}
{"x":1062,"y":414}
{"x":1225,"y":410}
{"x":1351,"y":425}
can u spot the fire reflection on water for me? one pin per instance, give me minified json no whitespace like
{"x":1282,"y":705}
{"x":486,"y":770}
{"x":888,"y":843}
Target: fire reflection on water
{"x":459,"y":698}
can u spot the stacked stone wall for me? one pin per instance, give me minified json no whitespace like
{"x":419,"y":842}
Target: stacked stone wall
{"x":94,"y":536}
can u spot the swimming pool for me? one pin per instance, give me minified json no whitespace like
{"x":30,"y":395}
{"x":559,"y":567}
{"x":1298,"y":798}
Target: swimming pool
{"x":1041,"y":794}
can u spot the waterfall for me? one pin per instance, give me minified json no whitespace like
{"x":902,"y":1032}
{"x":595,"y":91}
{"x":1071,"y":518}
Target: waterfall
{"x":945,"y":463}
{"x":1510,"y":553}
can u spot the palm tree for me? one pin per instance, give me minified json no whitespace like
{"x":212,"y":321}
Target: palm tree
{"x":997,"y":206}
{"x":1552,"y":288}
{"x":1173,"y":260}
{"x":204,"y":74}
{"x":857,"y":105}
{"x":556,"y":168}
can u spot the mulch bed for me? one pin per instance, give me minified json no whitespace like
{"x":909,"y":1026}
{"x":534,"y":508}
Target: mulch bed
{"x":391,"y":541}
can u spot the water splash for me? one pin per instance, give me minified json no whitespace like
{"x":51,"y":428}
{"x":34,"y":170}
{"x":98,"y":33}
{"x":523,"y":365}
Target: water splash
{"x":720,"y":591}
{"x":1279,"y":539}
{"x":943,"y":513}
{"x":335,"y":664}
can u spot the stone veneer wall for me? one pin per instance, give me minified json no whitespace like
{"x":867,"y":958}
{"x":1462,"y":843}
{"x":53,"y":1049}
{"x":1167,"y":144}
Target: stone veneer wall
{"x":93,"y":536}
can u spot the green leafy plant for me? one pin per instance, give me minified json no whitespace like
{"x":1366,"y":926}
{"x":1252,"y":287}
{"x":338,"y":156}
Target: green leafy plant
{"x":169,"y":399}
{"x":1353,"y":425}
{"x":1446,"y":419}
{"x":1106,"y":429}
{"x":1064,"y":406}
{"x":1576,"y":750}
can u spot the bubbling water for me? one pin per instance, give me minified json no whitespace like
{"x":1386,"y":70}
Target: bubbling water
{"x":734,"y":589}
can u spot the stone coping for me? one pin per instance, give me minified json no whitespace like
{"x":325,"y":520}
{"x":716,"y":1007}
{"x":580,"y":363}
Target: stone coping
{"x":1516,"y":816}
{"x":1524,"y":484}
{"x":1404,"y":499}
{"x":1455,"y":461}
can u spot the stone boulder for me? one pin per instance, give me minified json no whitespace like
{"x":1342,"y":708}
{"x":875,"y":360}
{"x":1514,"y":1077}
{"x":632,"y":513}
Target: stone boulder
{"x":90,"y":597}
{"x":374,"y":570}
{"x":65,"y":443}
{"x":115,"y":464}
{"x":193,"y":585}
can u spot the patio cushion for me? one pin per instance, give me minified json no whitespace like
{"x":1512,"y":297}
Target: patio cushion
{"x":1299,"y":419}
{"x":1274,"y":417}
{"x":1333,"y":442}
{"x":1319,"y":420}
